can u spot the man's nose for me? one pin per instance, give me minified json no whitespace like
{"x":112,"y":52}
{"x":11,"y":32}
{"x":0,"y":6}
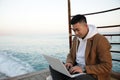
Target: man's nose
{"x":76,"y":32}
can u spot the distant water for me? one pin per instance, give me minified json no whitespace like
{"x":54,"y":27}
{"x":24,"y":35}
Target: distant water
{"x":22,"y":54}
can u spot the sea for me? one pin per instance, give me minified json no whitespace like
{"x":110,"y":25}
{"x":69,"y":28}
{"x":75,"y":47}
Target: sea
{"x":23,"y":54}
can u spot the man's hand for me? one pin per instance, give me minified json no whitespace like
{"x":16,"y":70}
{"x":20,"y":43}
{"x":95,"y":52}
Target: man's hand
{"x":68,"y":65}
{"x":76,"y":69}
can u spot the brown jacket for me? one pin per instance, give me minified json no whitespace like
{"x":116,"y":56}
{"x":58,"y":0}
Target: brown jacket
{"x":97,"y":56}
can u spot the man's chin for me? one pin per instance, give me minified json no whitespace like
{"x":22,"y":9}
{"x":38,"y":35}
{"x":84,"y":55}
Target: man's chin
{"x":78,"y":36}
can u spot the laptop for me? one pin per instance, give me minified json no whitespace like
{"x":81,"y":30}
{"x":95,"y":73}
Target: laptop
{"x":58,"y":65}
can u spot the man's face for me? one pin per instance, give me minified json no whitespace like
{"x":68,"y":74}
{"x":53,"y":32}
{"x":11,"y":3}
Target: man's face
{"x":80,"y":29}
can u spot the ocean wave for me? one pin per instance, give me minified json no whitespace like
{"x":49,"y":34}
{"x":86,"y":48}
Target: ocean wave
{"x":12,"y":66}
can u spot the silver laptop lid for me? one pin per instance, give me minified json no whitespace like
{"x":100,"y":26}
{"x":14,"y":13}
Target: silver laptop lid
{"x":57,"y":65}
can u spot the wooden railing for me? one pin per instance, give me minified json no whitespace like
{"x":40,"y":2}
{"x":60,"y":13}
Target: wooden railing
{"x":113,"y":43}
{"x":115,"y":75}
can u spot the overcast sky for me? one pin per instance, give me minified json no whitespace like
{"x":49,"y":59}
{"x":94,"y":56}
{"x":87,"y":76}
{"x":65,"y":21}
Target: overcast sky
{"x":50,"y":16}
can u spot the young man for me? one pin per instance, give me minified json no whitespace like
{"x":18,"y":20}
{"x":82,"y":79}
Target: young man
{"x":90,"y":53}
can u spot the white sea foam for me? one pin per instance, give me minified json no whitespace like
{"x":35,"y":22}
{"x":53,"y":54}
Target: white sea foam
{"x":12,"y":66}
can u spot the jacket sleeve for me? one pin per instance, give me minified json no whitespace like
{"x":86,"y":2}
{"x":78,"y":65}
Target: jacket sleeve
{"x":104,"y":64}
{"x":72,"y":54}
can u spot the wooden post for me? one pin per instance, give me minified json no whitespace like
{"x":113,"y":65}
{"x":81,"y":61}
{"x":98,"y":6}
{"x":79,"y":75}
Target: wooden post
{"x":69,"y":25}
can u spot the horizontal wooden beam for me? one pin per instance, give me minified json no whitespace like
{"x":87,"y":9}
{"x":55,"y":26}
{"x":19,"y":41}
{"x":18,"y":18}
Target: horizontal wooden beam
{"x":110,"y":26}
{"x":116,"y":60}
{"x":115,"y":51}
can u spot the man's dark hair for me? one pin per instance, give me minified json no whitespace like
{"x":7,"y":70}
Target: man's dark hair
{"x":78,"y":18}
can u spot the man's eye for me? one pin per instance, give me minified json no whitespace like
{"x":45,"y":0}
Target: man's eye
{"x":76,"y":30}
